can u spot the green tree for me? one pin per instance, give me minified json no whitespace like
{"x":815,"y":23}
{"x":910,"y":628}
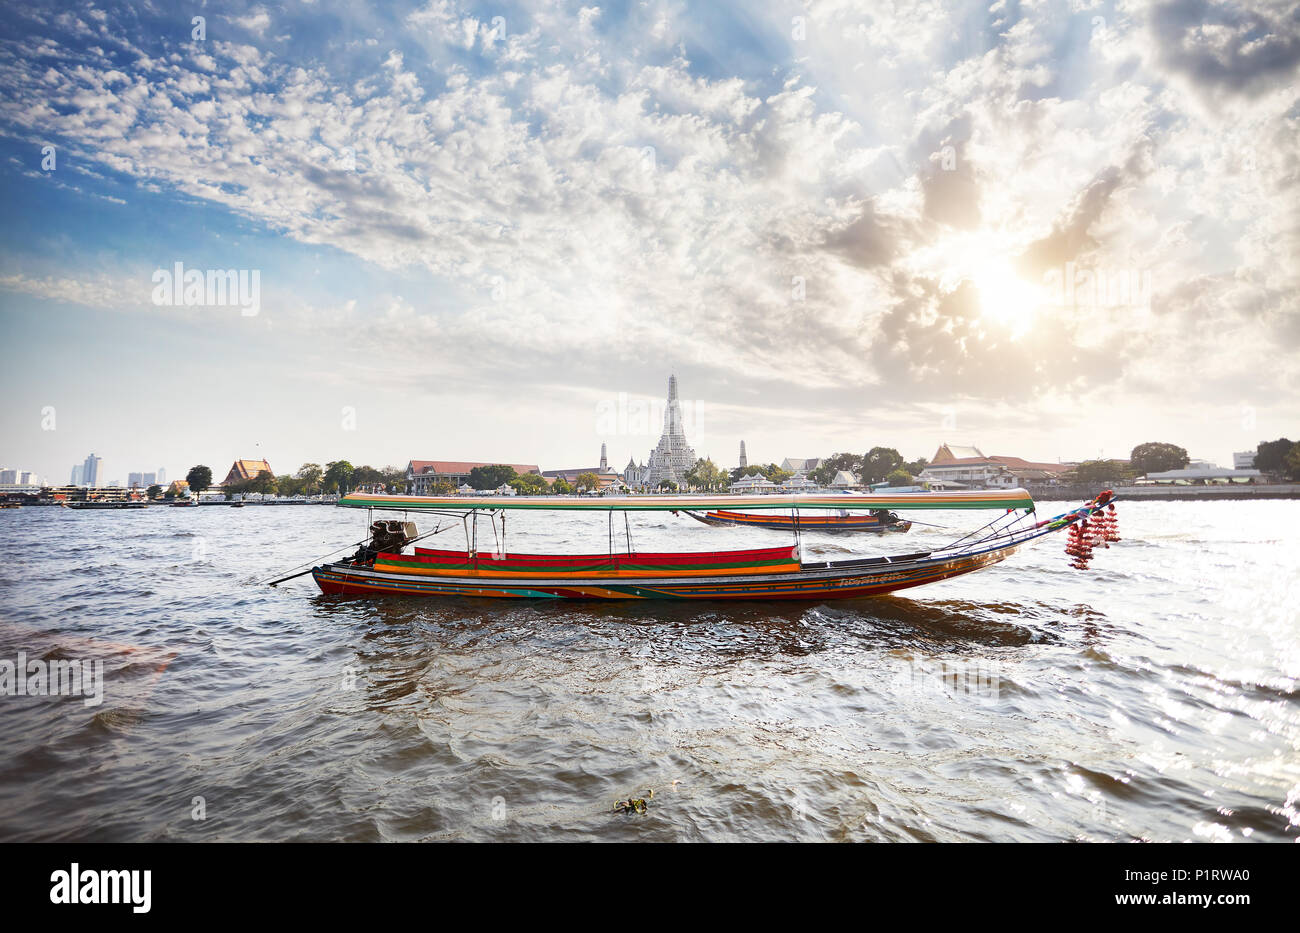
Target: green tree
{"x":773,"y":473}
{"x":287,"y":485}
{"x":1270,"y":456}
{"x":366,"y":475}
{"x":667,"y":485}
{"x":394,"y":479}
{"x":1292,"y":463}
{"x":825,"y":473}
{"x":879,"y":462}
{"x":1101,"y":471}
{"x":899,"y":478}
{"x":1157,"y":457}
{"x":529,"y":484}
{"x":561,"y":487}
{"x":338,"y":477}
{"x":199,"y":477}
{"x":915,"y":467}
{"x":153,"y":491}
{"x":311,"y":476}
{"x":706,"y":475}
{"x":263,"y":483}
{"x":490,"y":477}
{"x":588,"y":481}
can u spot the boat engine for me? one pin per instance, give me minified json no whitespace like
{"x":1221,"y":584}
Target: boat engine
{"x":386,"y":537}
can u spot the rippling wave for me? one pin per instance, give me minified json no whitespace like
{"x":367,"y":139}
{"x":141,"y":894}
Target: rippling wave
{"x":1153,"y":697}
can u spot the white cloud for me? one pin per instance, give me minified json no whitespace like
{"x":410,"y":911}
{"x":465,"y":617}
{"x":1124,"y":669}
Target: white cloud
{"x":592,"y":195}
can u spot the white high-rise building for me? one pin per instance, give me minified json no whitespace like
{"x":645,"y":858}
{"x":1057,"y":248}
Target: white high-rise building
{"x":76,"y":476}
{"x":161,"y":479}
{"x":90,"y":471}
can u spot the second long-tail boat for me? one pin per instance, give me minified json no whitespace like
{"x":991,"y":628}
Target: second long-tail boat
{"x":380,"y":566}
{"x":879,"y":520}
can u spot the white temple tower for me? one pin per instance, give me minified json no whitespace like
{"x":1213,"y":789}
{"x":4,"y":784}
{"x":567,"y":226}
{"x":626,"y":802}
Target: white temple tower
{"x":672,"y":458}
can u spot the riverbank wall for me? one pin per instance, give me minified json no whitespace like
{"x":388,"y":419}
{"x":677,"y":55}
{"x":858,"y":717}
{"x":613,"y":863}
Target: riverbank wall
{"x":1169,"y":493}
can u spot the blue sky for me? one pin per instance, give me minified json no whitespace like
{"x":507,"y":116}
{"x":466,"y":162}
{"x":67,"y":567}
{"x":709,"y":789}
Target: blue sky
{"x":839,"y":223}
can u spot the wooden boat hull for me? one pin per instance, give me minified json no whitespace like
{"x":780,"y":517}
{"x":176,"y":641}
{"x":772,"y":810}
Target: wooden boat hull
{"x":829,"y":523}
{"x":755,"y":574}
{"x":838,"y":580}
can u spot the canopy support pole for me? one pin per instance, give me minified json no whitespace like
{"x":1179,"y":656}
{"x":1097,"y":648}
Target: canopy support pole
{"x":798,"y":539}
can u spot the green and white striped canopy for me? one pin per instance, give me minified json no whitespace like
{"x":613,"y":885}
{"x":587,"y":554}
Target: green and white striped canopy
{"x":983,"y":499}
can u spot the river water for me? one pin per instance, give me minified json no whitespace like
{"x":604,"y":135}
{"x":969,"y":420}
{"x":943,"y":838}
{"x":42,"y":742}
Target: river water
{"x":1152,"y":697}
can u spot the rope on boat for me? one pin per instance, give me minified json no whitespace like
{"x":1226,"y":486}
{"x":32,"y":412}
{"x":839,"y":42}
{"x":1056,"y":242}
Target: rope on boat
{"x":310,"y":565}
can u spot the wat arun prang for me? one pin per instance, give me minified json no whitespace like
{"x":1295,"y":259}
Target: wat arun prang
{"x":672,"y":458}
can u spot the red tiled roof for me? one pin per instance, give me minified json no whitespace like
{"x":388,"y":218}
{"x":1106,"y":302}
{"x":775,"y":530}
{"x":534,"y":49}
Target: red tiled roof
{"x":945,"y":455}
{"x":1012,"y":463}
{"x":247,"y":469}
{"x":1016,"y":463}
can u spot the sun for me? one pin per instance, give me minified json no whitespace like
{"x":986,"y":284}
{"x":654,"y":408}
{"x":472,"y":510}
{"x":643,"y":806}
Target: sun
{"x":1005,"y":298}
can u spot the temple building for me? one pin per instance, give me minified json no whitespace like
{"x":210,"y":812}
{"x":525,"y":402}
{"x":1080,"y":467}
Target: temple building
{"x":423,"y":476}
{"x":954,"y":467}
{"x":242,"y":470}
{"x":604,"y":475}
{"x":672,"y":457}
{"x":800,"y":466}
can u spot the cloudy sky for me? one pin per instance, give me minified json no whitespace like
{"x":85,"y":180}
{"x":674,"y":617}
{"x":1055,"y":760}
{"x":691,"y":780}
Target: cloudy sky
{"x":490,"y":231}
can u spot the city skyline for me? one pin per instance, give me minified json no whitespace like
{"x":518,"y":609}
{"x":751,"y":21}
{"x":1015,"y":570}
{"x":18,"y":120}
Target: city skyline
{"x":723,"y":461}
{"x":466,"y":230}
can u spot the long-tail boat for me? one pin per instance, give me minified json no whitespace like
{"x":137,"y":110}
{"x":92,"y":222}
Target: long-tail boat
{"x":878,"y":520}
{"x":381,"y":567}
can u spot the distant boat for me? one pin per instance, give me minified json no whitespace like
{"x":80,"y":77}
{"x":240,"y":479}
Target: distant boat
{"x":105,"y":505}
{"x":185,"y":503}
{"x":878,"y":520}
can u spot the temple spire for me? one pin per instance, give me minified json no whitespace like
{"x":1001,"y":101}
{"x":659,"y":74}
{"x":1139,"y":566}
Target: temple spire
{"x":673,"y":413}
{"x":673,"y":456}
